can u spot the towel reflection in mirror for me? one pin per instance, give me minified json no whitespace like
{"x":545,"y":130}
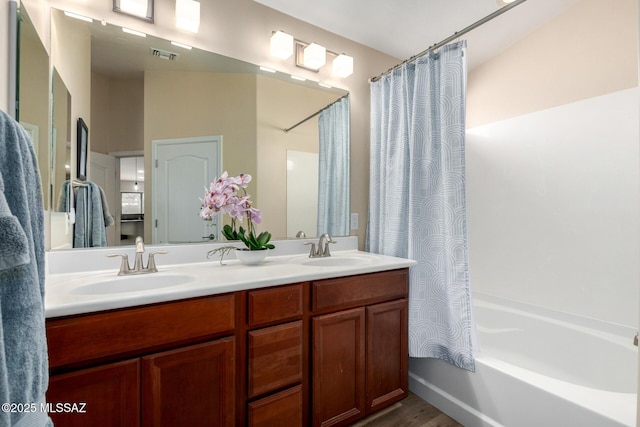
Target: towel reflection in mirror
{"x":87,"y":210}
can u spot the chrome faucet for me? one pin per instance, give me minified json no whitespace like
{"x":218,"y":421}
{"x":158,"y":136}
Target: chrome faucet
{"x":322,"y":249}
{"x":137,"y":264}
{"x":138,"y":267}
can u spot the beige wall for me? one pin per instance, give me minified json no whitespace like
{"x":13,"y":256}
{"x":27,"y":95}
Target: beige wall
{"x":117,"y":114}
{"x":100,"y":113}
{"x":181,"y":105}
{"x":34,"y":102}
{"x":589,"y":50}
{"x":279,"y":108}
{"x":71,"y":57}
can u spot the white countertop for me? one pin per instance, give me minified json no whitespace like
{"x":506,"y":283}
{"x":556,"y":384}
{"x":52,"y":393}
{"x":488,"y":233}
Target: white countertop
{"x":66,"y":292}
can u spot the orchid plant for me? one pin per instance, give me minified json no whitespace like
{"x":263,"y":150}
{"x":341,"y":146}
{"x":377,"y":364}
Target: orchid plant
{"x":223,"y":196}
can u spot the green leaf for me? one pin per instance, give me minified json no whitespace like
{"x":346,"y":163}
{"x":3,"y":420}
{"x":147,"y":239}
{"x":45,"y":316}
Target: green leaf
{"x":229,"y":233}
{"x":263,"y":238}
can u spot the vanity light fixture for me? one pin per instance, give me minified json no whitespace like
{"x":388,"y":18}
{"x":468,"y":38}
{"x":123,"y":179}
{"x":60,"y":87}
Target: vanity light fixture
{"x":343,"y":65}
{"x":325,"y":85}
{"x":302,"y":79}
{"x":184,"y":46}
{"x":76,"y":16}
{"x":134,"y":32}
{"x":142,"y":9}
{"x":268,"y":70}
{"x":310,"y":56}
{"x":315,"y":56}
{"x":188,"y":15}
{"x":281,"y":45}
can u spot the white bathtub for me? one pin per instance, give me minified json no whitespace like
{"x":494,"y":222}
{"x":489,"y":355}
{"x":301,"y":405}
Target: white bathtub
{"x":535,"y":368}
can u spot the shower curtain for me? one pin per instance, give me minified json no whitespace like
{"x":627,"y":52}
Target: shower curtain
{"x":333,"y":169}
{"x":417,"y":197}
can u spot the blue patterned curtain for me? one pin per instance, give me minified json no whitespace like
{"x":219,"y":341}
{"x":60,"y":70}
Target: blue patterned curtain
{"x":333,"y":169}
{"x":417,"y":197}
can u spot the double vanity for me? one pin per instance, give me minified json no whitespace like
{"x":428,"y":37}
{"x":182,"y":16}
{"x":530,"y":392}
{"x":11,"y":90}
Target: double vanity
{"x":299,"y":340}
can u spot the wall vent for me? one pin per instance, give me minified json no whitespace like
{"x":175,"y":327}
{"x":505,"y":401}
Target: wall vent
{"x":163,"y":54}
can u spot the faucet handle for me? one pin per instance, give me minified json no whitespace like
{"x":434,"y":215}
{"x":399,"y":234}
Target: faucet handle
{"x":151,"y":263}
{"x":124,"y":265}
{"x":139,"y":244}
{"x":326,"y":251}
{"x":313,"y":251}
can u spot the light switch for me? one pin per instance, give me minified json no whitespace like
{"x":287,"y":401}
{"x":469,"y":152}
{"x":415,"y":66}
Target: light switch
{"x":354,"y":221}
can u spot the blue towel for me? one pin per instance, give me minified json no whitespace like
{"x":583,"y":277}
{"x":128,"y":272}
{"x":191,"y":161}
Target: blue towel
{"x":92,"y":213}
{"x":89,"y":230}
{"x":23,"y":346}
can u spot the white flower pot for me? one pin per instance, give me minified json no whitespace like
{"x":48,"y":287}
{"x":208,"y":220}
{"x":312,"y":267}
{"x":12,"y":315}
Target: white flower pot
{"x":248,"y":257}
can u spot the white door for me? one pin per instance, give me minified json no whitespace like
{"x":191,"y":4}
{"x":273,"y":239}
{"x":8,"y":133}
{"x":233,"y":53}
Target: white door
{"x":103,"y":172}
{"x":183,"y":169}
{"x":302,"y":193}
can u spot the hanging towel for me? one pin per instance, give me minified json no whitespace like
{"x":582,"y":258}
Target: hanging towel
{"x":89,"y":230}
{"x":23,"y":346}
{"x":91,"y":213}
{"x":64,"y":198}
{"x":108,"y":218}
{"x":14,"y":250}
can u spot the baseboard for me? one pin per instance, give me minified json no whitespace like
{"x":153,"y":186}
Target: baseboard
{"x":450,"y":405}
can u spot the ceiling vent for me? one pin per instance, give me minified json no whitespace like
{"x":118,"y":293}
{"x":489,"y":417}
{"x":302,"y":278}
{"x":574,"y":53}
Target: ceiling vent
{"x":164,"y":54}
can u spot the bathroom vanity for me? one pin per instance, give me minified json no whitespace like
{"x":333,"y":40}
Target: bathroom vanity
{"x":318,"y":345}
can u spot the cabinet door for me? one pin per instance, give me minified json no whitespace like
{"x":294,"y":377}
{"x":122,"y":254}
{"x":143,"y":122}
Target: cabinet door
{"x":191,"y":386}
{"x":338,"y":368}
{"x":387,"y":354}
{"x":106,"y":396}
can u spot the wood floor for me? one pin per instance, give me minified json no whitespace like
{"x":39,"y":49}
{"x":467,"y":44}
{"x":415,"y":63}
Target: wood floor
{"x":411,"y":412}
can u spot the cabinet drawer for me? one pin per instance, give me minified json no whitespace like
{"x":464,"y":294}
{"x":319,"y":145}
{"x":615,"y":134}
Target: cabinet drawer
{"x":353,"y":291}
{"x":99,"y":336}
{"x":274,"y":357}
{"x":270,"y":305}
{"x":284,"y":408}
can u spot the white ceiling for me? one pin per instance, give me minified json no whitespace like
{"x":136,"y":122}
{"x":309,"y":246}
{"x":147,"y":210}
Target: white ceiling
{"x":403,"y":28}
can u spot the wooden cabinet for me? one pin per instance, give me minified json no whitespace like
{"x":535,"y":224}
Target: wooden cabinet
{"x":108,"y":395}
{"x":187,"y":384}
{"x":387,"y":354}
{"x":276,"y":357}
{"x":338,"y":368}
{"x":322,"y":353}
{"x":192,"y":386}
{"x":360,"y":354}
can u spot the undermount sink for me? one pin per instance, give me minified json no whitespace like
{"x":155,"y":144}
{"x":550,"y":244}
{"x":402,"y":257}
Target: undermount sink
{"x":337,"y":261}
{"x":135,"y":283}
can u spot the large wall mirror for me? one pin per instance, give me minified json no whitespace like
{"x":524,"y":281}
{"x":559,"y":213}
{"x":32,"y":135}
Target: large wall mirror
{"x":137,"y":93}
{"x":32,"y":106}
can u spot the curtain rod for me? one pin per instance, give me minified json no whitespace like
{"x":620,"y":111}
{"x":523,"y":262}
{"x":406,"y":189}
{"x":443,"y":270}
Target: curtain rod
{"x":453,"y":37}
{"x":315,"y":114}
